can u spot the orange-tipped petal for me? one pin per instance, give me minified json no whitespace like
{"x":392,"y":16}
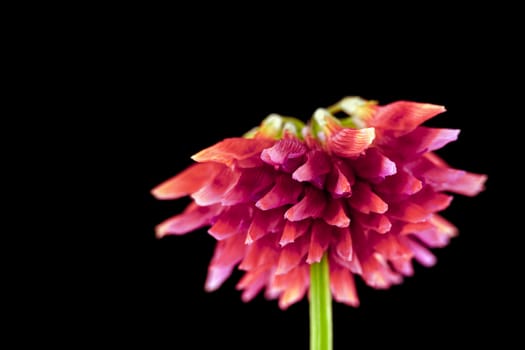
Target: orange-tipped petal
{"x":335,"y":215}
{"x":285,"y":191}
{"x":214,"y":191}
{"x":365,"y":200}
{"x":311,"y":206}
{"x":192,"y":218}
{"x":293,"y":230}
{"x":232,"y":221}
{"x":339,"y":184}
{"x":351,"y":143}
{"x":315,"y":168}
{"x":373,"y":165}
{"x":231,"y":149}
{"x":342,"y":286}
{"x":320,"y":239}
{"x":407,"y":211}
{"x":344,"y":246}
{"x":403,"y":116}
{"x":292,"y":255}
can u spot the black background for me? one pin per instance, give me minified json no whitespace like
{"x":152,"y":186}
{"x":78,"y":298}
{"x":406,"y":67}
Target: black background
{"x":156,"y":95}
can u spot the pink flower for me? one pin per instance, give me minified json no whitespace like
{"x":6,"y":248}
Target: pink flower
{"x":365,"y":190}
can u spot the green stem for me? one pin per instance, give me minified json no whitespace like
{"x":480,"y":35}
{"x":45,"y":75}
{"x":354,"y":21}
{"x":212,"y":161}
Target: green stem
{"x":320,"y":307}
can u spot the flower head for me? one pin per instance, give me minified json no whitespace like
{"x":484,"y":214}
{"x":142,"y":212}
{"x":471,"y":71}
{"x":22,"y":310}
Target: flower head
{"x":364,"y":190}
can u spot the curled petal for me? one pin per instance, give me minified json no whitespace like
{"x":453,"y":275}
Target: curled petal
{"x":403,"y":116}
{"x":261,"y":253}
{"x":320,"y":239}
{"x":407,"y":211}
{"x":232,"y":220}
{"x":313,"y":170}
{"x":338,"y":183}
{"x":378,"y":274}
{"x":366,"y":201}
{"x":342,"y":286}
{"x":311,"y":206}
{"x":401,"y":183}
{"x":231,"y":149}
{"x":253,"y":282}
{"x":251,"y":184}
{"x":344,"y":244}
{"x":292,"y":255}
{"x":192,"y":218}
{"x":285,"y":191}
{"x":188,"y":181}
{"x":376,"y":222}
{"x":430,"y":200}
{"x":287,"y":154}
{"x":374,"y":165}
{"x":263,"y":223}
{"x":293,"y":230}
{"x":335,"y":215}
{"x":214,"y":191}
{"x":351,"y":143}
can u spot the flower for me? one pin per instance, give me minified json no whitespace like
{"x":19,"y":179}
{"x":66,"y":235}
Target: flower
{"x":364,"y":190}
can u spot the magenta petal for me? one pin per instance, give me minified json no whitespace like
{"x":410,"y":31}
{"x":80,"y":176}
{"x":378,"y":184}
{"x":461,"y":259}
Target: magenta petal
{"x":404,"y":116}
{"x":351,"y":143}
{"x":344,"y":244}
{"x":366,"y":201}
{"x":253,"y":282}
{"x":188,"y":181}
{"x":216,"y":277}
{"x":291,"y":286}
{"x":192,"y":218}
{"x":320,"y":238}
{"x":228,"y":150}
{"x":422,"y":254}
{"x":292,"y":255}
{"x":374,"y":165}
{"x":335,"y":215}
{"x":431,"y":201}
{"x":313,"y":170}
{"x":468,"y":184}
{"x":407,"y":211}
{"x":251,"y":184}
{"x":342,"y":286}
{"x":376,"y":222}
{"x":285,"y":191}
{"x":311,"y":206}
{"x":233,"y":220}
{"x":339,"y":184}
{"x":401,"y":183}
{"x":227,"y":254}
{"x":263,"y":223}
{"x":287,"y":154}
{"x":293,"y":230}
{"x":215,"y":190}
{"x":261,"y":253}
{"x":424,"y":139}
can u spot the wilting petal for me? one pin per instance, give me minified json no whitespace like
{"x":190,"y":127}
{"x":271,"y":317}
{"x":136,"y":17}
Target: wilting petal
{"x":287,"y":154}
{"x":293,"y":230}
{"x":228,"y":150}
{"x":188,"y":181}
{"x":344,"y":246}
{"x":311,"y":206}
{"x":351,"y":142}
{"x":342,"y":286}
{"x":335,"y":215}
{"x":231,"y":221}
{"x":292,"y":255}
{"x":320,"y":238}
{"x":403,"y":116}
{"x":251,"y":184}
{"x":192,"y":218}
{"x":214,"y":191}
{"x":374,"y":165}
{"x":285,"y":191}
{"x":315,"y":168}
{"x":366,"y":201}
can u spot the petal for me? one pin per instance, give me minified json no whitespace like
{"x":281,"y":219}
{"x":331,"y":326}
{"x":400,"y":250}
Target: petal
{"x":262,"y":253}
{"x":251,"y":184}
{"x":231,"y":149}
{"x":320,"y":239}
{"x":294,"y":285}
{"x":438,"y":232}
{"x":253,"y":282}
{"x":285,"y":191}
{"x":376,"y":222}
{"x":263,"y":223}
{"x":344,"y":244}
{"x":311,"y":206}
{"x":401,"y":183}
{"x":338,"y":183}
{"x":188,"y":181}
{"x":292,"y":255}
{"x":374,"y":165}
{"x":407,"y":211}
{"x":423,"y":140}
{"x":351,"y":142}
{"x":403,"y":116}
{"x":233,"y":220}
{"x":313,"y":170}
{"x":287,"y":154}
{"x":293,"y":230}
{"x":214,"y":191}
{"x":366,"y":201}
{"x":192,"y":218}
{"x":227,"y":254}
{"x":422,"y":254}
{"x":335,"y":215}
{"x":342,"y":286}
{"x":378,"y":274}
{"x":430,"y":200}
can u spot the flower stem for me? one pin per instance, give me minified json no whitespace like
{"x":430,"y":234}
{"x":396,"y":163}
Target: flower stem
{"x":320,"y":307}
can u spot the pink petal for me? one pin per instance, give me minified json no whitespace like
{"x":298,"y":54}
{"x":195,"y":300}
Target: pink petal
{"x":431,"y":201}
{"x":424,"y":139}
{"x":351,"y":142}
{"x":263,"y":223}
{"x":353,"y":265}
{"x":401,"y":183}
{"x":422,"y":254}
{"x":344,"y":244}
{"x":335,"y":215}
{"x":315,"y":168}
{"x":378,"y":274}
{"x":251,"y":184}
{"x":366,"y":201}
{"x":376,"y":222}
{"x":374,"y":165}
{"x":228,"y":253}
{"x":287,"y":154}
{"x":192,"y":218}
{"x":253,"y":282}
{"x":292,"y":255}
{"x":407,"y":211}
{"x":188,"y":181}
{"x":438,"y":232}
{"x":311,"y":206}
{"x":285,"y":191}
{"x":231,"y":149}
{"x":404,"y":116}
{"x":294,"y":285}
{"x":233,"y":220}
{"x":320,"y":239}
{"x":293,"y":230}
{"x":342,"y":286}
{"x":216,"y":277}
{"x":215,"y":190}
{"x":261,"y":253}
{"x":338,"y":183}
